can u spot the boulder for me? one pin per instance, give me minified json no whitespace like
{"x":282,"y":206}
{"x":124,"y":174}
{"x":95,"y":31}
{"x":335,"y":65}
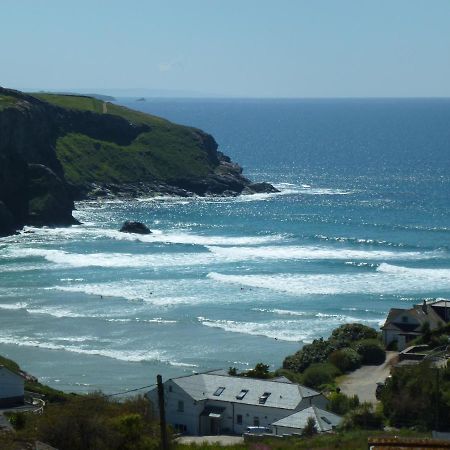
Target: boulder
{"x":7,"y":222}
{"x":260,"y":188}
{"x":50,"y":202}
{"x":134,"y":227}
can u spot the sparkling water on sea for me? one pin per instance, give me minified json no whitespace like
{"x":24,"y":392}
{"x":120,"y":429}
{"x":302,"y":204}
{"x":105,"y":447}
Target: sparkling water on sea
{"x":361,"y":225}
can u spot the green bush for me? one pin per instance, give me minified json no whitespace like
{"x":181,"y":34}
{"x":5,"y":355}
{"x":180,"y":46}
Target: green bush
{"x":341,"y":404}
{"x":363,"y":417}
{"x":351,"y":332}
{"x":317,"y":352}
{"x":371,"y":351}
{"x":319,"y":374}
{"x":346,"y":359}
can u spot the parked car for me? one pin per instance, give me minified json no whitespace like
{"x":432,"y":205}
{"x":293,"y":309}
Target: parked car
{"x":379,"y":390}
{"x":258,"y":430}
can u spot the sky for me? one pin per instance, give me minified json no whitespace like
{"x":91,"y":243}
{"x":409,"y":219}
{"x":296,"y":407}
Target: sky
{"x":231,"y":48}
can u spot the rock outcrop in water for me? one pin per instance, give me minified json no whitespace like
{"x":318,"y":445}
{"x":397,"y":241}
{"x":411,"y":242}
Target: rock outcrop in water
{"x":55,"y":149}
{"x":134,"y":227}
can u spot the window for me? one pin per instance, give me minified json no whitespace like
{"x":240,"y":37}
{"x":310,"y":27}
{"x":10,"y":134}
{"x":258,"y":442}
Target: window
{"x":326,"y":420}
{"x":219,"y":390}
{"x":180,"y":406}
{"x":239,"y":419}
{"x":256,"y":421}
{"x":404,"y":319}
{"x":180,"y":427}
{"x":170,"y":388}
{"x":242,"y":394}
{"x":264,"y":398}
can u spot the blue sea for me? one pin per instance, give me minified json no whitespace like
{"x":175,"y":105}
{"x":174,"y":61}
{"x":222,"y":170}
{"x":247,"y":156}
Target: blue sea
{"x":361,"y":225}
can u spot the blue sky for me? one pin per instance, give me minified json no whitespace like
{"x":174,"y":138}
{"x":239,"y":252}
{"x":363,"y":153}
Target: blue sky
{"x":249,"y":48}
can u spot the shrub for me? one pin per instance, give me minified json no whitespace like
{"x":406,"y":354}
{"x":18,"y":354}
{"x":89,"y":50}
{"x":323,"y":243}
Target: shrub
{"x":317,"y":352}
{"x":371,"y":351}
{"x":261,"y":371}
{"x":340,"y":404}
{"x":351,"y":332}
{"x":363,"y":417}
{"x":310,"y":428}
{"x":346,"y":359}
{"x":319,"y":374}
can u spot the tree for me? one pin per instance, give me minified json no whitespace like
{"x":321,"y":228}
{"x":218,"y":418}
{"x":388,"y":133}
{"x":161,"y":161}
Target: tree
{"x":261,"y":370}
{"x":371,"y":351}
{"x":310,"y":428}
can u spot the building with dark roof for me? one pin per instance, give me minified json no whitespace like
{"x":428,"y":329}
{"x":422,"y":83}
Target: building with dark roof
{"x":404,"y":325}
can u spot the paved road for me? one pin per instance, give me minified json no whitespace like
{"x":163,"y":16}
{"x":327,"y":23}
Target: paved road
{"x":221,"y":439}
{"x":363,"y":381}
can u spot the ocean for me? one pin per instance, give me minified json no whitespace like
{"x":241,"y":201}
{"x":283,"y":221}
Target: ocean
{"x":361,"y":225}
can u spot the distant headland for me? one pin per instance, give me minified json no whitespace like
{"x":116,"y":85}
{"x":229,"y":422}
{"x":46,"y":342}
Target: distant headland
{"x":57,"y":148}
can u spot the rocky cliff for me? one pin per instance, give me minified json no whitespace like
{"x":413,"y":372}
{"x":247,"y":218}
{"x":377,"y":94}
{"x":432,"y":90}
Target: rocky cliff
{"x":57,"y":148}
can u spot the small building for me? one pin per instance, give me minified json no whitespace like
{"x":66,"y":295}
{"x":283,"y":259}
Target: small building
{"x":11,"y":388}
{"x":404,"y":325}
{"x":213,"y":403}
{"x":295,"y":423}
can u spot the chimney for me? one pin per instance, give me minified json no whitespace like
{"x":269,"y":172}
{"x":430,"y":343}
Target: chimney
{"x":425,"y":307}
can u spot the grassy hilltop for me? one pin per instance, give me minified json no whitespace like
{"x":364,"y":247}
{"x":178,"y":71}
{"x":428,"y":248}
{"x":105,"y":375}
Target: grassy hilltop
{"x":164,"y":151}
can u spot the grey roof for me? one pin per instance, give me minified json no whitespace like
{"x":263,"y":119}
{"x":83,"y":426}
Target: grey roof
{"x":440,"y":303}
{"x":325,"y":420}
{"x":18,"y":375}
{"x":282,"y":395}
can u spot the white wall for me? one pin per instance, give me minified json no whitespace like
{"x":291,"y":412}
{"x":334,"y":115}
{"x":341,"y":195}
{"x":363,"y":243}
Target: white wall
{"x":190,"y":417}
{"x":11,"y":385}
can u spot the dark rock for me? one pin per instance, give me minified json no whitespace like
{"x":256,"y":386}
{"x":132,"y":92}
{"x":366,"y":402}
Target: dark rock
{"x":134,"y":227}
{"x":260,"y":188}
{"x":50,"y":202}
{"x":7,"y":222}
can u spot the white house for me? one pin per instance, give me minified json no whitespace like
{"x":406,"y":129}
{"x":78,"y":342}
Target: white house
{"x":294,"y":424}
{"x":213,"y":403}
{"x":11,"y":388}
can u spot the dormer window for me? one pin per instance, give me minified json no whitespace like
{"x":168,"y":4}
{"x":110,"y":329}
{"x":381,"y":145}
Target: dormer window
{"x":241,"y":394}
{"x":264,"y":398}
{"x":404,"y":319}
{"x":219,"y":391}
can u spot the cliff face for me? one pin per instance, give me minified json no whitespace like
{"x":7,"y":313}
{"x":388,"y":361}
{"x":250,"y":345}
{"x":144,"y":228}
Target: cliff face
{"x":57,"y":148}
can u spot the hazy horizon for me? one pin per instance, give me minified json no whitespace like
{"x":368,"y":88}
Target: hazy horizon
{"x":209,"y":48}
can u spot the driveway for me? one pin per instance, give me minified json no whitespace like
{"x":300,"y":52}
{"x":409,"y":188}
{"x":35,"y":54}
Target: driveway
{"x":220,"y":439}
{"x":363,"y":381}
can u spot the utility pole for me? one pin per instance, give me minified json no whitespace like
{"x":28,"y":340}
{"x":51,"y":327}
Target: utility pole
{"x":162,"y":414}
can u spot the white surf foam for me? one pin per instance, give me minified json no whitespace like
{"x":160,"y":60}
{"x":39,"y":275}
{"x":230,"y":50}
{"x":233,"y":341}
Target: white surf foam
{"x":286,"y":252}
{"x":387,"y":280}
{"x":157,"y":236}
{"x":121,"y":355}
{"x":275,"y":330}
{"x":13,"y":306}
{"x":114,"y":260}
{"x":284,"y":330}
{"x":158,"y":293}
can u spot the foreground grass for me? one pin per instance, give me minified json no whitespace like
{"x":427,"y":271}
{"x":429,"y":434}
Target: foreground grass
{"x":352,"y":440}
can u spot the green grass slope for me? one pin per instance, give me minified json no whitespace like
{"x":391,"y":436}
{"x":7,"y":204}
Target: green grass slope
{"x":166,"y":151}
